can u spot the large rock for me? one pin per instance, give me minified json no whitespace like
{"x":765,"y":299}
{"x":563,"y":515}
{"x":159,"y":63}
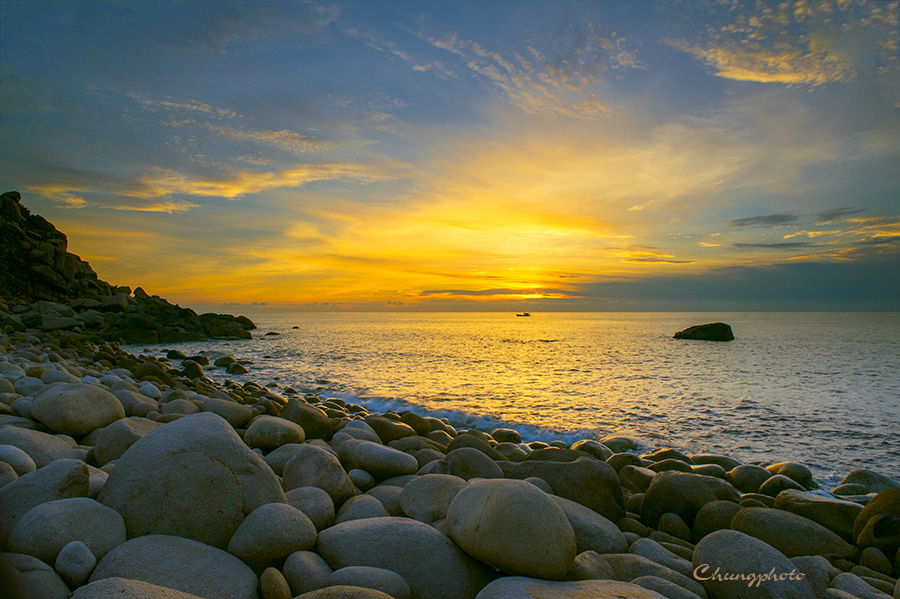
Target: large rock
{"x":269,"y":432}
{"x":236,"y":414}
{"x":381,"y":461}
{"x":389,"y":430}
{"x":834,"y":514}
{"x":520,"y":587}
{"x":122,"y":588}
{"x":729,"y":552}
{"x":587,"y":481}
{"x":18,"y":459}
{"x":713,"y":516}
{"x":315,"y":422}
{"x":676,"y":492}
{"x":714,"y":331}
{"x":112,"y":441}
{"x":315,"y":503}
{"x":60,"y":479}
{"x":41,"y":447}
{"x":433,"y":565}
{"x":313,"y":466}
{"x":514,"y":526}
{"x":193,"y":478}
{"x":428,"y":497}
{"x":872,"y":481}
{"x":628,"y":567}
{"x":387,"y":581}
{"x":75,"y":562}
{"x":789,"y":533}
{"x":28,"y":577}
{"x":468,"y":462}
{"x":76,"y":409}
{"x":48,"y":527}
{"x":877,"y":523}
{"x":180,"y":564}
{"x":592,"y":531}
{"x":271,"y":533}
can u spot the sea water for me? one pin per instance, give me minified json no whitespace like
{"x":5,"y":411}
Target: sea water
{"x":822,"y":389}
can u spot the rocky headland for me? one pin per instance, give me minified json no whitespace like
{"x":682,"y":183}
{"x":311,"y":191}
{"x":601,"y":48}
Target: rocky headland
{"x":127,"y":475}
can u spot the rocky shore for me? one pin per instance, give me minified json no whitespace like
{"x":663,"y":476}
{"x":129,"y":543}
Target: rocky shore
{"x":136,"y":476}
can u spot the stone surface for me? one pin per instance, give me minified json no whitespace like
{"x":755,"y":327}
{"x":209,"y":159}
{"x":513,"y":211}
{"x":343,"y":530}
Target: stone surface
{"x":30,"y":578}
{"x":316,"y":503}
{"x":748,"y":478}
{"x":181,"y":564}
{"x":75,"y":563}
{"x":122,"y":588}
{"x":677,"y":492}
{"x":18,"y":459}
{"x":41,"y":447}
{"x":468,"y":463}
{"x":778,"y":483}
{"x":713,"y":516}
{"x":732,"y":552}
{"x":628,"y":566}
{"x":799,"y":473}
{"x":273,"y":585}
{"x":519,"y":587}
{"x":313,"y":466}
{"x":344,"y":592}
{"x":871,"y":480}
{"x":834,"y":514}
{"x":381,"y":461}
{"x":306,"y":571}
{"x":433,"y":565}
{"x":76,"y":409}
{"x":314,"y":421}
{"x":193,"y":478}
{"x":428,"y":497}
{"x":113,"y":440}
{"x":592,"y":531}
{"x":60,"y":479}
{"x":380,"y":579}
{"x":360,"y":507}
{"x":46,"y":528}
{"x":714,"y":331}
{"x":655,"y":552}
{"x":789,"y":533}
{"x":236,"y":414}
{"x":271,"y":533}
{"x":856,"y":586}
{"x":514,"y":526}
{"x":269,"y":432}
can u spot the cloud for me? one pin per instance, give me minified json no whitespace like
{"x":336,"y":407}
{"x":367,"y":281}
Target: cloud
{"x":769,"y":220}
{"x":836,"y":214}
{"x":496,"y":292}
{"x":786,"y":245}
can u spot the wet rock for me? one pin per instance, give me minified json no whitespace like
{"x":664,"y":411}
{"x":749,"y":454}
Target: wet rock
{"x":799,"y":473}
{"x":778,"y":483}
{"x":872,"y":481}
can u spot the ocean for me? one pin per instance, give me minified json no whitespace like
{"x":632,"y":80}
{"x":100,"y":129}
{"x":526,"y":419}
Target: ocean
{"x":822,"y":389}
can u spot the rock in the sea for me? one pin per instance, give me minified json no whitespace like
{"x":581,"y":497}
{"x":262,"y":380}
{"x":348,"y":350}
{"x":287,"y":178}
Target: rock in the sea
{"x":313,"y":466}
{"x":122,"y":588}
{"x":714,"y":331}
{"x":181,"y":564}
{"x":48,"y":527}
{"x":433,"y":566}
{"x":271,"y":533}
{"x":520,"y":587}
{"x":75,"y":563}
{"x":872,"y":481}
{"x":60,"y":479}
{"x":76,"y":409}
{"x":789,"y":533}
{"x":193,"y":478}
{"x":796,"y":472}
{"x":514,"y":526}
{"x":725,"y":561}
{"x":834,"y":514}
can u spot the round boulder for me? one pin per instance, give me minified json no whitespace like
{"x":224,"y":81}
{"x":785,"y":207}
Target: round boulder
{"x":271,"y":533}
{"x":121,"y":588}
{"x":381,"y":461}
{"x":269,"y":432}
{"x":520,"y":587}
{"x":313,"y":466}
{"x":428,"y":497}
{"x":76,"y":409}
{"x":514,"y":526}
{"x":677,"y":492}
{"x":193,"y":478}
{"x":789,"y":533}
{"x":113,"y":440}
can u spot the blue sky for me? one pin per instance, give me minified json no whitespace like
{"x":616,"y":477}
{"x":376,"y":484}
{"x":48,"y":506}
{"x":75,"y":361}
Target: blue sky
{"x":465,"y":155}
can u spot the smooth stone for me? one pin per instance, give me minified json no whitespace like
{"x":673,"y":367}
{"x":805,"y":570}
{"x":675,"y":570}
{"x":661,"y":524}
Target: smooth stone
{"x":474,"y":440}
{"x":18,"y":459}
{"x":270,"y":533}
{"x":113,"y":440}
{"x":32,"y":578}
{"x":628,"y":566}
{"x":655,"y":552}
{"x":834,"y":514}
{"x":316,"y":503}
{"x":75,"y":563}
{"x":672,"y":524}
{"x":360,"y":507}
{"x":315,"y":422}
{"x":433,"y":565}
{"x":817,"y":570}
{"x":725,"y":462}
{"x":361,"y":479}
{"x":619,"y":444}
{"x":799,"y":473}
{"x":677,"y":492}
{"x":379,"y":579}
{"x":778,"y":483}
{"x":7,"y":474}
{"x":46,"y":528}
{"x":273,"y":585}
{"x":636,"y":478}
{"x":60,"y":479}
{"x":670,"y":464}
{"x":871,"y":480}
{"x":194,"y":478}
{"x":313,"y":466}
{"x":748,"y":478}
{"x":587,"y":481}
{"x":270,"y":432}
{"x":506,"y":435}
{"x":181,"y":564}
{"x":181,"y":407}
{"x":709,"y":470}
{"x":122,"y":588}
{"x":76,"y":409}
{"x":667,"y":589}
{"x":383,"y":462}
{"x":428,"y":497}
{"x":590,"y":565}
{"x":733,"y":552}
{"x":856,"y":586}
{"x":390,"y":498}
{"x":620,"y":460}
{"x":789,"y":533}
{"x":887,"y":503}
{"x":278,"y":458}
{"x":41,"y":447}
{"x":514,"y":526}
{"x":236,"y":414}
{"x":519,"y":587}
{"x":875,"y":559}
{"x":594,"y":448}
{"x":713,"y":516}
{"x":305,"y":571}
{"x":592,"y":531}
{"x":344,"y":592}
{"x":468,"y":463}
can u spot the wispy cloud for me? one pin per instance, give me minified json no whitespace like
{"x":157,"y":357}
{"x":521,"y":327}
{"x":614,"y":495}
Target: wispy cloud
{"x":786,"y":245}
{"x":836,"y":214}
{"x":768,"y":220}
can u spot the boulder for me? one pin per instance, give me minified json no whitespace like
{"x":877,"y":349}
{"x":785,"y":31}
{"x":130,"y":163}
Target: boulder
{"x":387,"y":581}
{"x":628,"y":566}
{"x":433,"y":566}
{"x":665,"y":588}
{"x":18,"y":459}
{"x":468,"y":462}
{"x":729,"y":552}
{"x":28,"y":577}
{"x":778,"y":483}
{"x":122,"y":588}
{"x":314,"y":421}
{"x":748,"y":478}
{"x":713,"y":516}
{"x":76,"y":409}
{"x":587,"y":481}
{"x":181,"y":564}
{"x":60,"y":479}
{"x":112,"y":441}
{"x":236,"y":414}
{"x":590,"y":565}
{"x":514,"y":526}
{"x":193,"y":478}
{"x":360,"y":507}
{"x":316,"y":503}
{"x":594,"y":448}
{"x":592,"y":531}
{"x":789,"y":533}
{"x":714,"y":331}
{"x":520,"y":587}
{"x":389,"y":430}
{"x":381,"y":461}
{"x":677,"y":492}
{"x":270,"y":432}
{"x":305,"y":571}
{"x":877,"y":523}
{"x":834,"y":514}
{"x":271,"y":533}
{"x":74,"y":563}
{"x":428,"y":497}
{"x":655,"y":552}
{"x":313,"y":466}
{"x":273,"y":585}
{"x":42,"y":448}
{"x":799,"y":473}
{"x":872,"y":481}
{"x":46,"y":528}
{"x":343,"y":591}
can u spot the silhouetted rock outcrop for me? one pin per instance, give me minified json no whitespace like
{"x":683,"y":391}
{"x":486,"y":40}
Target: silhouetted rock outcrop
{"x":714,"y":331}
{"x":44,"y":286}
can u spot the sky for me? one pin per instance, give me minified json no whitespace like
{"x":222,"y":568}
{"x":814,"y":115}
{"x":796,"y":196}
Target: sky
{"x":505,"y":155}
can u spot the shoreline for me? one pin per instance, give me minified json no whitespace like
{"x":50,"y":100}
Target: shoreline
{"x":632,"y":516}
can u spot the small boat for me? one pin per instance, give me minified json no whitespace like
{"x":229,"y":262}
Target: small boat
{"x":523,"y":314}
